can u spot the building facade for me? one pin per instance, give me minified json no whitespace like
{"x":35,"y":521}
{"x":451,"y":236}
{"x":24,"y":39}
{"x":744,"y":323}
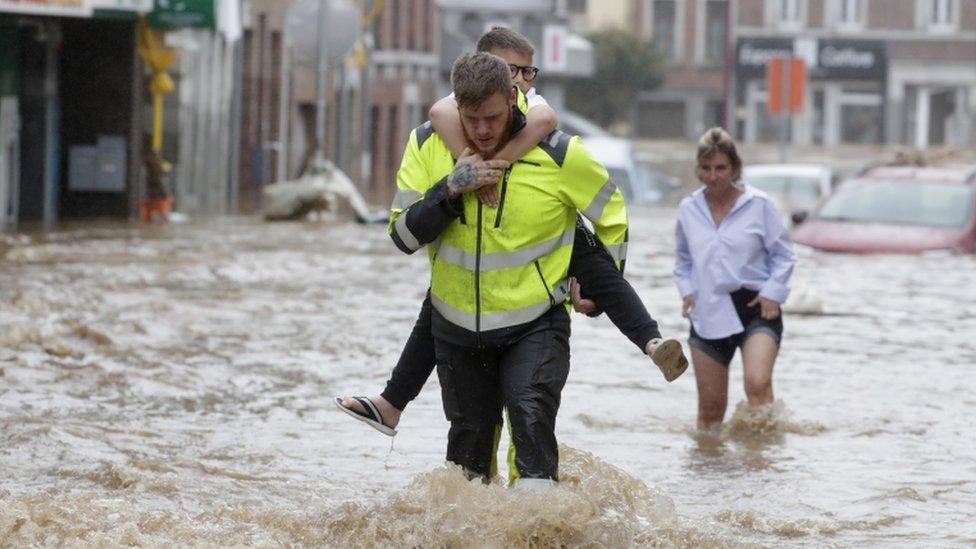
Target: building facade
{"x":402,"y":85}
{"x":262,"y":57}
{"x":880,"y":71}
{"x":692,"y":36}
{"x":375,"y":94}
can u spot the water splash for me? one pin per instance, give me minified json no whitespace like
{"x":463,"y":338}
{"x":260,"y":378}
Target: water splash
{"x":594,"y":505}
{"x":766,"y":420}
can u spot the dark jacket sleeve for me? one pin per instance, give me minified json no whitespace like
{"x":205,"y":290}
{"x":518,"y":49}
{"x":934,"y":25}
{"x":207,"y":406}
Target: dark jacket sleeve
{"x":426,"y":218}
{"x":601,"y":281}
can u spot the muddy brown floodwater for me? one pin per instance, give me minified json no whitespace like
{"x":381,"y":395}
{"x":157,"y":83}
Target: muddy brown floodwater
{"x":172,"y":386}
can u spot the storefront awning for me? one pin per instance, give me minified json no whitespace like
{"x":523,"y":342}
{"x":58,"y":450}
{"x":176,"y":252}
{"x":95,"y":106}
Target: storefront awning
{"x":77,"y":8}
{"x":56,"y":8}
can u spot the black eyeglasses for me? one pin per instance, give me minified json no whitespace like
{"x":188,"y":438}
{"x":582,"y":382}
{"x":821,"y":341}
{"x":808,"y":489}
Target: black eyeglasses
{"x":528,"y":73}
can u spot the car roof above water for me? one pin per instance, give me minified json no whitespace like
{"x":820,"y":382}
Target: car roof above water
{"x":813,"y":170}
{"x":959,"y":175}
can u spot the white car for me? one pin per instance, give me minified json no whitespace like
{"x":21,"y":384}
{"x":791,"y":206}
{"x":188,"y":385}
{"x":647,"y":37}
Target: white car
{"x":574,"y":124}
{"x":639,"y":184}
{"x":793,"y":187}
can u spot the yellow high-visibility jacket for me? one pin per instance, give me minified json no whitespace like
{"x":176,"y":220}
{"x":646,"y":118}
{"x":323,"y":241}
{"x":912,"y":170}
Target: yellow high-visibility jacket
{"x":501,"y":267}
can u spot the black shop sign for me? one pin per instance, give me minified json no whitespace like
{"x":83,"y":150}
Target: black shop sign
{"x":827,"y":58}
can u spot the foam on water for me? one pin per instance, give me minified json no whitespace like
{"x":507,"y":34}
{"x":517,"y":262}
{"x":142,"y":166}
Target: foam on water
{"x":803,"y":527}
{"x":595,"y":505}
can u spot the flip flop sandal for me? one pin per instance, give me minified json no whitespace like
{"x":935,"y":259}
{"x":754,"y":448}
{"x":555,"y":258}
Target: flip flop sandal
{"x":371,"y":417}
{"x":670,"y":359}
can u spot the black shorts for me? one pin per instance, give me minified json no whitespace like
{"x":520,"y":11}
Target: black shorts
{"x":722,"y":350}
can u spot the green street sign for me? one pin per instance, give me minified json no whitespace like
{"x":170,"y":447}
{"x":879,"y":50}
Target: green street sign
{"x":172,"y":14}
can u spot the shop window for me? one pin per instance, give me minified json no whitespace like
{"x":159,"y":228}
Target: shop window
{"x":714,"y":113}
{"x":817,"y":117}
{"x":861,"y":124}
{"x":769,"y":128}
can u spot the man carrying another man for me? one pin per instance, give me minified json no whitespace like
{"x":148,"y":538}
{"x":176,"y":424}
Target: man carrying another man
{"x":499,"y":275}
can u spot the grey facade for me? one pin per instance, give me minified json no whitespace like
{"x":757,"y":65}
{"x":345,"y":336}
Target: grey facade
{"x":882,"y":71}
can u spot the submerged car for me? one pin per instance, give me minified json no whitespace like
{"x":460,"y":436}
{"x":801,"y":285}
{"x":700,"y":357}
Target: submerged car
{"x":896,"y":209}
{"x":793,"y":187}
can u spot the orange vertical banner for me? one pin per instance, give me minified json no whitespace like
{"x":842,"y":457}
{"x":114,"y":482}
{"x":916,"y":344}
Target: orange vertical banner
{"x":798,"y":81}
{"x":774,"y":85}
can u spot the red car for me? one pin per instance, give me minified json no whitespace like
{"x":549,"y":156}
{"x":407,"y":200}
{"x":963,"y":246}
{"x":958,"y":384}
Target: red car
{"x":903,"y":209}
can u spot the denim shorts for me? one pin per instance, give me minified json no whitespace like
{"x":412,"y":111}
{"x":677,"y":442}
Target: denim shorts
{"x":723,"y":349}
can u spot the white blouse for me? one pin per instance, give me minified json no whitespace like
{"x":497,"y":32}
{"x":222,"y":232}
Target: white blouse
{"x":750,"y":249}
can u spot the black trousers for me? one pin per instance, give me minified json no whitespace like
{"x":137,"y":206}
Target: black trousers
{"x":600,"y":280}
{"x":415,"y":364}
{"x":526,"y":376}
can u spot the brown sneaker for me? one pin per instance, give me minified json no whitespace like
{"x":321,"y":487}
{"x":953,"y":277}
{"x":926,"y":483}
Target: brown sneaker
{"x":670,"y":359}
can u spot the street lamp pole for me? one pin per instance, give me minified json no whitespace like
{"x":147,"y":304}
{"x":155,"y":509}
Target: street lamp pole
{"x":318,"y":164}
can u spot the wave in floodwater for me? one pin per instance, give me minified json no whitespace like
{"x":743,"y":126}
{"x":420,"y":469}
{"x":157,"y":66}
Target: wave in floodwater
{"x":594,"y":505}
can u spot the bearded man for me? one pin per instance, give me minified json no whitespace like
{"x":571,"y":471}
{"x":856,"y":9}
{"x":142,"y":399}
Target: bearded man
{"x":499,"y":276}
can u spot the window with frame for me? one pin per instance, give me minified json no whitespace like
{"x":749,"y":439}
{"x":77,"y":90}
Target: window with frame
{"x":790,"y":11}
{"x":942,"y":14}
{"x":788,"y":14}
{"x":665,"y":22}
{"x":716,"y":12}
{"x":850,"y":14}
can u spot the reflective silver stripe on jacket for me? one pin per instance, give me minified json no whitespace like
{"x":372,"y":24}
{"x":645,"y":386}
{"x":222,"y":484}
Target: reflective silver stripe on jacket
{"x":595,"y":210}
{"x":404,"y":198}
{"x":504,"y":260}
{"x":617,"y":251}
{"x":409,"y":240}
{"x":503,"y":319}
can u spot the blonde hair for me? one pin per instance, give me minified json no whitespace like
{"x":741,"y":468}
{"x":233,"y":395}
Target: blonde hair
{"x":477,"y":76}
{"x":716,"y":140}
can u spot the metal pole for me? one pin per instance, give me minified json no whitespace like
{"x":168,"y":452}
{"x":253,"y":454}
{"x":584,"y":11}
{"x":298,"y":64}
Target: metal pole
{"x":237,"y":107}
{"x":52,"y":123}
{"x":284,"y":108}
{"x":786,"y":93}
{"x":727,"y":70}
{"x":323,"y":64}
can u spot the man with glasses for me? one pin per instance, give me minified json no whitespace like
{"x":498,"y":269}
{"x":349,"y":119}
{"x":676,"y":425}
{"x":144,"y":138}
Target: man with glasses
{"x":591,"y":262}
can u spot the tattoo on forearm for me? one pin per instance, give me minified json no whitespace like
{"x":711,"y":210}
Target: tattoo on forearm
{"x":463,"y":177}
